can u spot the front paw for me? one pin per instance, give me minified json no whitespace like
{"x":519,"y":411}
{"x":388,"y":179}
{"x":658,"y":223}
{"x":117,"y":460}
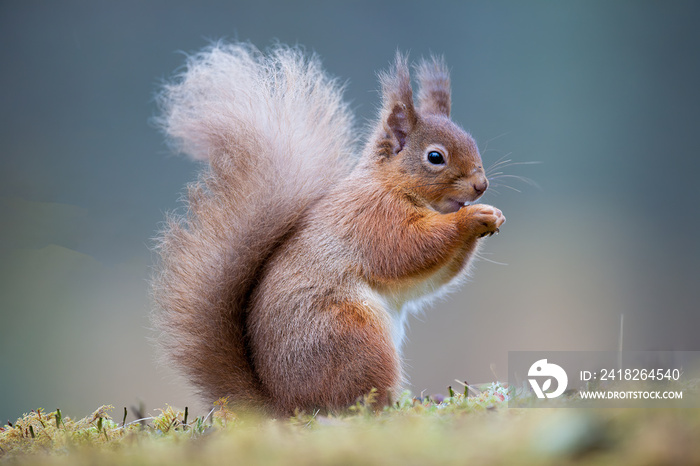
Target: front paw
{"x":483,"y":220}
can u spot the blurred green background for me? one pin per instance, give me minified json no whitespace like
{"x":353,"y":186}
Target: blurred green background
{"x":606,"y":95}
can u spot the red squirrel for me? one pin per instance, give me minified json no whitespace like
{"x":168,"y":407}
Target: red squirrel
{"x":286,"y":284}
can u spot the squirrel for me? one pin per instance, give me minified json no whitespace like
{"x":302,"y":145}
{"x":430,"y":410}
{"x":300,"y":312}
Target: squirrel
{"x":286,"y":284}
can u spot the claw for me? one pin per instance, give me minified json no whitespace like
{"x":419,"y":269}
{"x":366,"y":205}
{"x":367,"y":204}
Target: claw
{"x":489,"y":233}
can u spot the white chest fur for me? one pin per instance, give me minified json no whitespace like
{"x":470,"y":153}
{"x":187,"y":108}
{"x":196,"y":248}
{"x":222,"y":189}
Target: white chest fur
{"x":397,"y":303}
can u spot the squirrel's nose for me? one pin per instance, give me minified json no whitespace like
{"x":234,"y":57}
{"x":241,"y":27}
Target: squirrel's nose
{"x":480,"y":186}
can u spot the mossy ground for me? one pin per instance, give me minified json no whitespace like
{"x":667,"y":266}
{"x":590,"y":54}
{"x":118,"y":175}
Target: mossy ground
{"x":474,"y":429}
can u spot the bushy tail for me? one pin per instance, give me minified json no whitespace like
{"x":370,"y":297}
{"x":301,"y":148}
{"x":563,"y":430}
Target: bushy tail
{"x":277,"y":135}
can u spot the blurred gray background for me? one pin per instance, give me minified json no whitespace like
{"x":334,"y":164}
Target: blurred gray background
{"x":606,"y":95}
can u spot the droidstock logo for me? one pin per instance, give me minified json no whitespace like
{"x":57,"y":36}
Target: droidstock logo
{"x":541,"y":369}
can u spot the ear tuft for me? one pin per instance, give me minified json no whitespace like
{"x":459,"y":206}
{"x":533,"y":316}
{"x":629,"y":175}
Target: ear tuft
{"x":434,"y":86}
{"x":398,"y":113}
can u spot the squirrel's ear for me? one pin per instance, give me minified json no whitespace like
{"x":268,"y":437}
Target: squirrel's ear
{"x":434,"y":86}
{"x":399,"y":114}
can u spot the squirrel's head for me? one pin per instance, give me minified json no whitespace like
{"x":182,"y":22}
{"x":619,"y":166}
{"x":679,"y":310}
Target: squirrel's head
{"x":432,"y":157}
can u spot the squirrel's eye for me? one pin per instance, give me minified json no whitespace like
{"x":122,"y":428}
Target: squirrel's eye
{"x":435,"y":158}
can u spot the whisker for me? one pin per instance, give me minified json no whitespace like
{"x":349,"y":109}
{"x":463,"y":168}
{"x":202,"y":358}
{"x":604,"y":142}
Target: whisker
{"x":500,"y":161}
{"x":492,"y":261}
{"x":498,"y":166}
{"x":509,"y":163}
{"x":486,"y":143}
{"x":509,"y":187}
{"x":480,"y":256}
{"x":519,"y":178}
